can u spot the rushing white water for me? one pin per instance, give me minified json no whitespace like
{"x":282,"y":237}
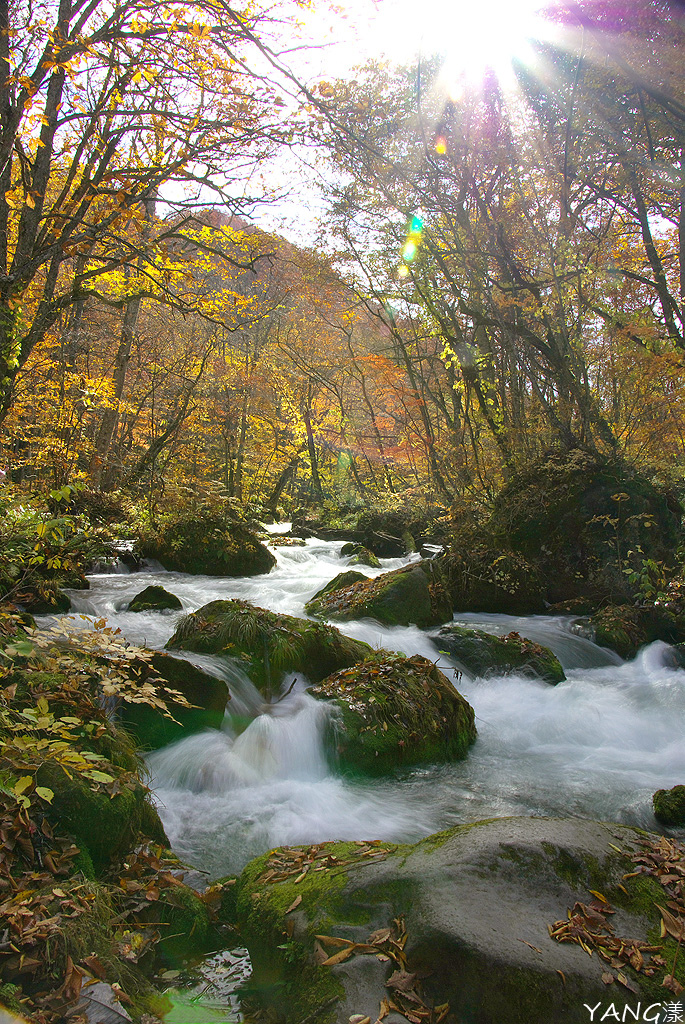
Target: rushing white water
{"x":595,"y":746}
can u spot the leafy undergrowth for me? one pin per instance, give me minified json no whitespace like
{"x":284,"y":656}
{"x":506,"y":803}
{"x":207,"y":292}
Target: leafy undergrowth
{"x":89,"y":895}
{"x":657,"y":962}
{"x":41,"y":550}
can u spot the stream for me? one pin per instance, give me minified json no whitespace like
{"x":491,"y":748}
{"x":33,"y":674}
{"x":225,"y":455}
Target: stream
{"x":595,"y":746}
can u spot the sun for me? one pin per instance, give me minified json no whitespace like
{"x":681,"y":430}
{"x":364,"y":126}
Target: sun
{"x":473,"y":36}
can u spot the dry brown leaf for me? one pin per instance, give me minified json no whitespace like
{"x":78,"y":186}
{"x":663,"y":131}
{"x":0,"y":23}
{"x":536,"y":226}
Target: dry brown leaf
{"x":674,"y":926}
{"x":627,"y":983}
{"x":295,"y":903}
{"x":338,"y":957}
{"x":608,"y":978}
{"x":403,"y":981}
{"x":673,"y":985}
{"x":334,"y":940}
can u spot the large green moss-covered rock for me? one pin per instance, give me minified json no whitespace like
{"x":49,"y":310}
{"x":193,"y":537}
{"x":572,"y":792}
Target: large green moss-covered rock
{"x":339,"y":582}
{"x":270,"y":644}
{"x":105,"y":824}
{"x":472,"y":907}
{"x":395,"y":711}
{"x":360,"y":555}
{"x":581,"y":520}
{"x":483,"y":654}
{"x":669,"y":806}
{"x":415,"y":594}
{"x":628,"y":627}
{"x":209,"y":546}
{"x":154,"y":598}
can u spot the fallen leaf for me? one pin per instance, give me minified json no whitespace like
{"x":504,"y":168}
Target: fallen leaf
{"x":403,"y":981}
{"x":673,"y":925}
{"x":673,"y":985}
{"x":608,"y":978}
{"x":295,"y":903}
{"x":526,"y":943}
{"x":338,"y":957}
{"x":627,"y":983}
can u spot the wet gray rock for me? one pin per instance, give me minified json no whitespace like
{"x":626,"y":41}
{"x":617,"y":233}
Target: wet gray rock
{"x":476,"y":902}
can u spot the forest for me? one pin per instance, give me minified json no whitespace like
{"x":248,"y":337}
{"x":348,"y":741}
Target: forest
{"x":458,"y":382}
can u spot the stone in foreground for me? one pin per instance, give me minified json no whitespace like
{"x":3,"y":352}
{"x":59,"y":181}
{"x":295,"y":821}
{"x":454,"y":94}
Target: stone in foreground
{"x":475,"y":904}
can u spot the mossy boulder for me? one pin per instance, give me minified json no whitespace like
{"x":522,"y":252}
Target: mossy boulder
{"x":482,"y":576}
{"x":207,"y":695}
{"x":360,"y":555}
{"x":269,"y":644}
{"x":106,"y":823}
{"x":619,"y":628}
{"x":474,"y":906}
{"x":154,"y":598}
{"x":339,"y":582}
{"x":389,"y":534}
{"x":582,"y":520}
{"x":186,"y":917}
{"x":415,"y":594}
{"x":669,"y":806}
{"x":483,"y":654}
{"x":626,"y":628}
{"x":209,"y":546}
{"x":394,"y":711}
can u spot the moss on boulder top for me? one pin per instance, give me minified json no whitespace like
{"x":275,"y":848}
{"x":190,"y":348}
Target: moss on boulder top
{"x":154,"y":598}
{"x":209,"y":545}
{"x":669,"y":806}
{"x":396,"y":711}
{"x":483,"y":654}
{"x":270,"y":644}
{"x":415,"y":594}
{"x":360,"y":555}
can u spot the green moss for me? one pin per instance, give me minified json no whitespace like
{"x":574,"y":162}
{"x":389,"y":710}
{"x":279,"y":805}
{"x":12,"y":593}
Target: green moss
{"x":396,"y":711}
{"x":486,"y":654}
{"x":83,"y":862}
{"x":209,"y":545}
{"x":154,"y":598}
{"x":577,"y":872}
{"x":187,"y":919}
{"x":270,"y":644}
{"x":9,"y":998}
{"x":415,"y":594}
{"x":669,"y":806}
{"x":284,"y":972}
{"x":107,"y":825}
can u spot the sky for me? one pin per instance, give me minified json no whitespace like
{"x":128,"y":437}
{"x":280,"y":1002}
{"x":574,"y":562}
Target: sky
{"x":325,"y":43}
{"x":328,"y":42}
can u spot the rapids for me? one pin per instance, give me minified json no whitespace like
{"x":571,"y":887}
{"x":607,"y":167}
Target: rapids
{"x":596,"y":746}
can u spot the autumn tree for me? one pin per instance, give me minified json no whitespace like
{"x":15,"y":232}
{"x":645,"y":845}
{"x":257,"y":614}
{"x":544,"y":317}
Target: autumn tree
{"x":105,"y":108}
